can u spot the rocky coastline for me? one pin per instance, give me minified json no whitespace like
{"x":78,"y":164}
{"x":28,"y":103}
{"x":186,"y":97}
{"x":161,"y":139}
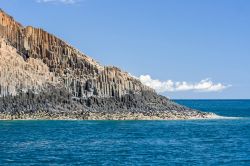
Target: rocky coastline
{"x":106,"y":116}
{"x":59,"y":105}
{"x":43,"y":77}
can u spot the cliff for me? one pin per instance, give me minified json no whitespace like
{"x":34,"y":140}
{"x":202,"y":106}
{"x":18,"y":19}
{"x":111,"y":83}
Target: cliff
{"x":75,"y":68}
{"x":36,"y":66}
{"x":18,"y":75}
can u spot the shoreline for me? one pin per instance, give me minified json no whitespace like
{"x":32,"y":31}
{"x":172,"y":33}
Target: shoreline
{"x":214,"y":117}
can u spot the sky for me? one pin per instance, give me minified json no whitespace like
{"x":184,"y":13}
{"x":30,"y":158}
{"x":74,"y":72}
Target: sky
{"x":183,"y":49}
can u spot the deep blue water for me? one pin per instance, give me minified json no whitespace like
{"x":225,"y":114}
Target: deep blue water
{"x":233,"y":108}
{"x":197,"y":142}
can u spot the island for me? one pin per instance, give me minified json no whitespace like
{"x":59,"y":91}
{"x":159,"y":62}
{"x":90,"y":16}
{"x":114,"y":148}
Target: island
{"x":43,"y":77}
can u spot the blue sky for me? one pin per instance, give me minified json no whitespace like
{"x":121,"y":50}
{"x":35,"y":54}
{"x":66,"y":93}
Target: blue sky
{"x":184,"y":49}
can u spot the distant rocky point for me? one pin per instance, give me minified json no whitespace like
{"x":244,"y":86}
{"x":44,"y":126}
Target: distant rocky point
{"x":43,"y":77}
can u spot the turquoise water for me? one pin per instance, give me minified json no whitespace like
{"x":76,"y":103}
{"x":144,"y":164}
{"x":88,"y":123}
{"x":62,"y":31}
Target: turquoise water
{"x":198,"y":142}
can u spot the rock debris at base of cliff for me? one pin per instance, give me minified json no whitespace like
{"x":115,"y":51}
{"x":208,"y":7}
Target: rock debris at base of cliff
{"x":43,"y":77}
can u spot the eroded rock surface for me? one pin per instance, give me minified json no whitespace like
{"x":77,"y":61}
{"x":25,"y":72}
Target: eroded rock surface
{"x":18,"y":75}
{"x":43,"y":77}
{"x":77,"y":70}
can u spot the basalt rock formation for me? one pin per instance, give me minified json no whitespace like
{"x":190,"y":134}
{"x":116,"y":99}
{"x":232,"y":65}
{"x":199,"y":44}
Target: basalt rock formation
{"x":43,"y":77}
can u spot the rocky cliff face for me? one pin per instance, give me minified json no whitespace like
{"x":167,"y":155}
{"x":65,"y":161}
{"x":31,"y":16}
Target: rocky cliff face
{"x":38,"y":64}
{"x":82,"y":75}
{"x":18,"y":75}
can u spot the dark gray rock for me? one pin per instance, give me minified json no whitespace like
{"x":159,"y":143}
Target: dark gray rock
{"x":80,"y":87}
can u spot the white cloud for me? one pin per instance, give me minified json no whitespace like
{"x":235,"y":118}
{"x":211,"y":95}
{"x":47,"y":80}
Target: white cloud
{"x":205,"y":85}
{"x":58,"y":1}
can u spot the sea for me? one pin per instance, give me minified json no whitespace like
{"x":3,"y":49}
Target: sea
{"x":181,"y":142}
